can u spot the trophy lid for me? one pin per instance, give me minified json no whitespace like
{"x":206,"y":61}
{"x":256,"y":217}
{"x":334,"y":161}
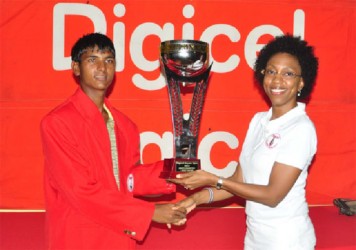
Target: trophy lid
{"x":185,"y":57}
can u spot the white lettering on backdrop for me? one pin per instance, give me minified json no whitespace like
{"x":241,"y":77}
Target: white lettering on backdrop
{"x":166,"y":32}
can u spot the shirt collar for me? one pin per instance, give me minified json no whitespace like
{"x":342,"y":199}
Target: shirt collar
{"x":111,"y":118}
{"x":298,"y":110}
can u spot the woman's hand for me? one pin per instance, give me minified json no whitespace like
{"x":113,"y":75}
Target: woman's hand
{"x":195,"y":179}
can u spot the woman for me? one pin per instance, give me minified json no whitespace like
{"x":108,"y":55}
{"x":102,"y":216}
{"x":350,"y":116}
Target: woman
{"x":277,"y":151}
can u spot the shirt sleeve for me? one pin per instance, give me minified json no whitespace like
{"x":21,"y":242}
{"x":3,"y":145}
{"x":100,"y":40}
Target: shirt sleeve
{"x":298,"y":146}
{"x":147,"y":181}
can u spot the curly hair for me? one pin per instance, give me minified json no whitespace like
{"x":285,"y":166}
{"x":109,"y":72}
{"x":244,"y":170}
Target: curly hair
{"x":295,"y":47}
{"x":90,"y":41}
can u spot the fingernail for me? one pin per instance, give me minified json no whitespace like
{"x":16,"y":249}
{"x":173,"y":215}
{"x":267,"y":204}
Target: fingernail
{"x":178,"y":176}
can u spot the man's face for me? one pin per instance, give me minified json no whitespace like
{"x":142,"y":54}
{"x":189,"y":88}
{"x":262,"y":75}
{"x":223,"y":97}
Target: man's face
{"x":95,"y":70}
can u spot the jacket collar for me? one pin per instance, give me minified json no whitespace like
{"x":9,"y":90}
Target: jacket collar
{"x":86,"y":106}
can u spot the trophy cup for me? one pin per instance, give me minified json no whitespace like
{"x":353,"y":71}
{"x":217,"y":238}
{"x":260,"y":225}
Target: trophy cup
{"x":186,"y":65}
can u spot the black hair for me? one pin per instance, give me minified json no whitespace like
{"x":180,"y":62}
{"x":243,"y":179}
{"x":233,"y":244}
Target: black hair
{"x":296,"y":47}
{"x":90,"y":41}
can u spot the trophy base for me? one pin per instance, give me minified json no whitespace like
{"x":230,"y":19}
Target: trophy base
{"x":174,"y":166}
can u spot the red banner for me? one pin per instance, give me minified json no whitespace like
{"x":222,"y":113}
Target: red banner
{"x":36,"y":38}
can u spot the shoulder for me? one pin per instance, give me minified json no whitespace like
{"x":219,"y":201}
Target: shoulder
{"x":64,"y":113}
{"x":300,"y":131}
{"x":301,"y":119}
{"x":258,"y":117}
{"x":302,"y":123}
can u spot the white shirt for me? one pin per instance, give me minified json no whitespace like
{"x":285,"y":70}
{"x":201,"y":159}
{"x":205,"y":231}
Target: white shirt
{"x":291,"y":140}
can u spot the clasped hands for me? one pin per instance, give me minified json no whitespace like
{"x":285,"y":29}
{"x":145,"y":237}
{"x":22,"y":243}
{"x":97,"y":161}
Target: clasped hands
{"x":189,"y":180}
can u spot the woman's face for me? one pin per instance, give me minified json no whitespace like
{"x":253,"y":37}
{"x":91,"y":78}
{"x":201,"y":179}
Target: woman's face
{"x":282,"y":81}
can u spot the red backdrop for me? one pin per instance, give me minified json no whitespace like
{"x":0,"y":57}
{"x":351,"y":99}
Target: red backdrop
{"x":35,"y":76}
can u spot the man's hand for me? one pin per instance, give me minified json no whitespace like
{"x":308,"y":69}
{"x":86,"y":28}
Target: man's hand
{"x":169,"y":213}
{"x":189,"y":204}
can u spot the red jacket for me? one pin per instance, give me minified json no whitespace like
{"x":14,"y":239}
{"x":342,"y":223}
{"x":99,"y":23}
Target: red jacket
{"x":84,"y":207}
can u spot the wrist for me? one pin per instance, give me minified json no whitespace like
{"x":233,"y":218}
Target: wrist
{"x":219,"y":183}
{"x":197,"y":198}
{"x":211,"y":195}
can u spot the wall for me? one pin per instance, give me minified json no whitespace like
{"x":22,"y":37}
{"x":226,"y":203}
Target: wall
{"x":36,"y":38}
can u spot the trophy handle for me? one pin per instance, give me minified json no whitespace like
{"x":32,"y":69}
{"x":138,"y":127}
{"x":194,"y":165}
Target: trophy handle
{"x":197,"y":103}
{"x":176,"y":106}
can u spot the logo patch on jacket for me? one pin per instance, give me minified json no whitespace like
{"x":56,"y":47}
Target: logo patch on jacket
{"x":130,"y":182}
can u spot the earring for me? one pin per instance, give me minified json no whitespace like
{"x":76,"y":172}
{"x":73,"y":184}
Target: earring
{"x":299,"y":92}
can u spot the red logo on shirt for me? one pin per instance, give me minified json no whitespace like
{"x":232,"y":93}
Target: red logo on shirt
{"x":272,"y":140}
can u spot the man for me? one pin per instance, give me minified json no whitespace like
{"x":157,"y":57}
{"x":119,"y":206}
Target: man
{"x":91,"y":163}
